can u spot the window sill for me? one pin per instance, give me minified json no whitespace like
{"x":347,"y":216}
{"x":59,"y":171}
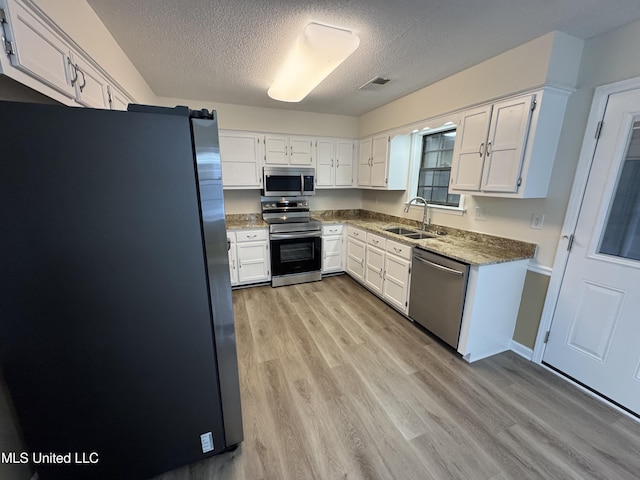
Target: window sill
{"x":458,"y":211}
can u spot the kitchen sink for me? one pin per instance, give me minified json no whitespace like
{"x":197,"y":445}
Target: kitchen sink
{"x":413,"y":234}
{"x":419,"y":235}
{"x":400,"y":231}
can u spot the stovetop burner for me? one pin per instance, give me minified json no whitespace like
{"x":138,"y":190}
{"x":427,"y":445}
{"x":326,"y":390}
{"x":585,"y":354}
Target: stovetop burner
{"x":288,"y":214}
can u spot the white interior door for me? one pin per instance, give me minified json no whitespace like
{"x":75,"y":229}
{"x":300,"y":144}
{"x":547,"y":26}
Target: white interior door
{"x":595,"y":334}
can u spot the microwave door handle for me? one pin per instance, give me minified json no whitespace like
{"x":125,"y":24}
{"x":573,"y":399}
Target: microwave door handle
{"x":302,"y":184}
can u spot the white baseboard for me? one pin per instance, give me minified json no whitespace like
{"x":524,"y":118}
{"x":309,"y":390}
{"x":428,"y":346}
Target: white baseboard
{"x":521,"y":350}
{"x":541,"y":269}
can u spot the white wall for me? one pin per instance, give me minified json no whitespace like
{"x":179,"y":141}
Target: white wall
{"x":275,"y":120}
{"x":552,"y":59}
{"x":248,"y":201}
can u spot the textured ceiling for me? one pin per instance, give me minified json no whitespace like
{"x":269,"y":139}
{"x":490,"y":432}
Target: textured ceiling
{"x":229,"y":50}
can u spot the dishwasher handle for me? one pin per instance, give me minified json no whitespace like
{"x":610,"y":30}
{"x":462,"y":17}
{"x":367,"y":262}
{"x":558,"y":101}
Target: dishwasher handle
{"x":439,"y":267}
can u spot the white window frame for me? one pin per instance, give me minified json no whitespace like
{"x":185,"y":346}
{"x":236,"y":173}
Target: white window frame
{"x":427,"y":127}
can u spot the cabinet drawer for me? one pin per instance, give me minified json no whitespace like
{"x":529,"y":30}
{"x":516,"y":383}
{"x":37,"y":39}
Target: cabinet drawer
{"x":357,"y":233}
{"x":376,"y":240}
{"x":332,"y":230}
{"x":251,"y":235}
{"x":399,"y":249}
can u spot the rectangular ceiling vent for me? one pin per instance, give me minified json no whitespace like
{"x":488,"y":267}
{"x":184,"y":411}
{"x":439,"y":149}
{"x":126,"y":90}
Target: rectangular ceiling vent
{"x":374,"y":84}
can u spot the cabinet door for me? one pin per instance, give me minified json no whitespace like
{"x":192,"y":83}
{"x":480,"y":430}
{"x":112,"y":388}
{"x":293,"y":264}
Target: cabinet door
{"x":379,"y":158}
{"x":374,"y":271}
{"x":91,"y":87}
{"x":325,"y":162}
{"x":253,"y":262}
{"x":38,"y":51}
{"x":469,"y":149}
{"x":115,"y":99}
{"x":332,"y":253}
{"x":276,"y":149}
{"x":233,"y":267}
{"x":240,"y":159}
{"x":355,"y":258}
{"x":345,"y":153}
{"x":396,"y":281}
{"x":506,"y":144}
{"x":364,"y":162}
{"x":300,"y":151}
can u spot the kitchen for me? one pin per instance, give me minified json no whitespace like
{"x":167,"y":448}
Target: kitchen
{"x":551,"y":59}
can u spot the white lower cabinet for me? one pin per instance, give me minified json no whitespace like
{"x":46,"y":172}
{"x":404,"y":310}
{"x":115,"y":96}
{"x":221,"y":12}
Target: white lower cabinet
{"x":374,"y":272}
{"x":397,"y":274}
{"x":233,"y":258}
{"x":356,"y":252}
{"x":332,"y":249}
{"x":384,"y":266}
{"x":249,"y":260}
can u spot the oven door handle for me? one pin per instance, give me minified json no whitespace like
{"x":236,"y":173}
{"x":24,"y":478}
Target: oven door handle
{"x":287,"y":236}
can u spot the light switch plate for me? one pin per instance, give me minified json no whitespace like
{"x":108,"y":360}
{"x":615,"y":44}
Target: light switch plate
{"x":481,"y":213}
{"x":537,"y":220}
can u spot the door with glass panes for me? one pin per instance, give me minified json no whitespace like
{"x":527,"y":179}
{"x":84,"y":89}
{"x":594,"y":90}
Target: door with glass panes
{"x":595,"y":334}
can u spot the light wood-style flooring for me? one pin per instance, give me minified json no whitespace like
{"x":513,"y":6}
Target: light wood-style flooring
{"x":338,"y":385}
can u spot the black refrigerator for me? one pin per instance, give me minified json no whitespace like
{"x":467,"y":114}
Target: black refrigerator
{"x":117,"y":337}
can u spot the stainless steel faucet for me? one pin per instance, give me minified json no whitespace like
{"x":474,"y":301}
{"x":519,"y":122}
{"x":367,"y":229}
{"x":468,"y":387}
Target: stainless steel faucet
{"x":415,"y":201}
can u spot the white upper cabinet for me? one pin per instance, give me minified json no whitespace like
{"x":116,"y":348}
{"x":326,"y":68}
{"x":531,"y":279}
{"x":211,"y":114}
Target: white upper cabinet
{"x":325,"y":162}
{"x":115,"y":99}
{"x":240,"y":159}
{"x":345,"y":157}
{"x":43,"y":57}
{"x":383,"y":162}
{"x":334,"y":162}
{"x":507,"y":149}
{"x":35,"y":49}
{"x":90,"y":85}
{"x":288,"y":150}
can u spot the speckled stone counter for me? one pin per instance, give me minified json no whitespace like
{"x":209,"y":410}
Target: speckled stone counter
{"x":468,"y":247}
{"x":245,"y":220}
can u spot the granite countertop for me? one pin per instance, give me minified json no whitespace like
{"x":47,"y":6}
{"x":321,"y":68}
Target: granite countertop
{"x":468,"y":247}
{"x":245,"y":220}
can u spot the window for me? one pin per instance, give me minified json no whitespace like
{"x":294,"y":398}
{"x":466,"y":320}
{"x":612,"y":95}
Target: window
{"x":435,"y":168}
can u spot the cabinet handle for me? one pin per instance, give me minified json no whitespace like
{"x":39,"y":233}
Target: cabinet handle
{"x":380,"y":273}
{"x":375,"y":242}
{"x":488,"y":149}
{"x":337,"y":162}
{"x":75,"y":72}
{"x":332,"y":163}
{"x":251,"y":236}
{"x":333,"y":230}
{"x":84,"y":80}
{"x":398,"y":250}
{"x":480,"y":152}
{"x":234,"y":263}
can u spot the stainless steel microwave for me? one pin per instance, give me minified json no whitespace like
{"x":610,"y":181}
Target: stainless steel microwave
{"x":288,"y":181}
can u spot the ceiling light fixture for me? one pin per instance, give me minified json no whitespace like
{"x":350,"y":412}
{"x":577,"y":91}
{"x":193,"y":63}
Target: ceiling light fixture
{"x":316,"y":53}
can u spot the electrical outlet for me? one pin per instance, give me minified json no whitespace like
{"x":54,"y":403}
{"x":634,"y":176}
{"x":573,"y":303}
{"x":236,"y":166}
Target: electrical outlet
{"x":537,"y":220}
{"x":481,"y":213}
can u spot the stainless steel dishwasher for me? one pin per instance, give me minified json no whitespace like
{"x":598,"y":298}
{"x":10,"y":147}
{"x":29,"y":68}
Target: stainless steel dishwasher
{"x":438,"y":287}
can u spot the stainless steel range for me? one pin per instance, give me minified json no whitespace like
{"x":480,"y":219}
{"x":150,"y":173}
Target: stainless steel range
{"x":296,"y":240}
